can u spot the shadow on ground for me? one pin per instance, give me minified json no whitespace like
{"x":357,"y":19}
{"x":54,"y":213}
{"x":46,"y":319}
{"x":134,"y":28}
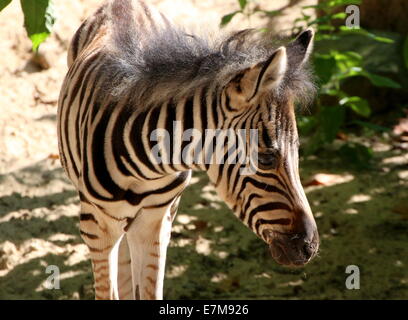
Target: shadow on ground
{"x":212,"y":255}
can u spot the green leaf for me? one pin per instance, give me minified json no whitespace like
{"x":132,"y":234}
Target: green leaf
{"x":315,"y":6}
{"x":352,"y":72}
{"x":305,"y":17}
{"x":272,"y":13}
{"x":38,"y":20}
{"x":372,"y":126}
{"x":242,"y":3}
{"x":405,"y":52}
{"x":263,"y":30}
{"x":331,"y":4}
{"x":227,"y":18}
{"x":326,"y":27}
{"x":325,"y":37}
{"x":346,"y":30}
{"x":340,"y":15}
{"x":331,"y":119}
{"x":375,"y":79}
{"x":347,"y":61}
{"x":361,"y":107}
{"x":381,"y":81}
{"x":335,"y":3}
{"x":306,"y":124}
{"x":4,"y":3}
{"x":321,"y":20}
{"x":383,"y":39}
{"x":358,"y":105}
{"x":325,"y":67}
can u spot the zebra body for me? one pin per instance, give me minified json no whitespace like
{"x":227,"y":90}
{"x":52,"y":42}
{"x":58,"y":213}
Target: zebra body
{"x":132,"y":72}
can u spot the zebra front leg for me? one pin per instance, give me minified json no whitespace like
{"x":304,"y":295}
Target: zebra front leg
{"x":125,"y":285}
{"x":148,"y":237}
{"x":100,"y":239}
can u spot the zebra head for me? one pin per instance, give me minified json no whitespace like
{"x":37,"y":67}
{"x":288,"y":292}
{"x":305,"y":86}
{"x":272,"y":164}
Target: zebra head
{"x":270,"y":201}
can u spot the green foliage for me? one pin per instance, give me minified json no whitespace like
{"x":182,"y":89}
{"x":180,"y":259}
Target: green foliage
{"x":343,"y":30}
{"x":327,"y":6}
{"x":227,"y":18}
{"x":247,"y":10}
{"x":333,"y":69}
{"x":335,"y":111}
{"x":38,"y":19}
{"x":242,"y":3}
{"x":4,"y":3}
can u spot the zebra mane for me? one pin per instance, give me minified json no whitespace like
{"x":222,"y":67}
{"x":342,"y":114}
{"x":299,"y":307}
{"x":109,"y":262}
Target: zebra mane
{"x":171,"y":64}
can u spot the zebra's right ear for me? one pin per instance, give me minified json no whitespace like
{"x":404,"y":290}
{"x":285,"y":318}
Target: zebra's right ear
{"x":263,"y":76}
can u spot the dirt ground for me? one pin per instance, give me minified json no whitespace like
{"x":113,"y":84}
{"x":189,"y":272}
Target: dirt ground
{"x":362,"y":215}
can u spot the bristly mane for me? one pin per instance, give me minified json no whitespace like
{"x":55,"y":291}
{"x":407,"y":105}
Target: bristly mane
{"x":172,"y":64}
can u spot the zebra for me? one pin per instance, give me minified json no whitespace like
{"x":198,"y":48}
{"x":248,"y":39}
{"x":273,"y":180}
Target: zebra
{"x":131,"y":71}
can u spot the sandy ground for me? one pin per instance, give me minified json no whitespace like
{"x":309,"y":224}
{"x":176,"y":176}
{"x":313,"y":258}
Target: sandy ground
{"x":38,"y":205}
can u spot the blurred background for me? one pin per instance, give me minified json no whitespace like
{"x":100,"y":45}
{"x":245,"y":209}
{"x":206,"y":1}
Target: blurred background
{"x":354,"y":158}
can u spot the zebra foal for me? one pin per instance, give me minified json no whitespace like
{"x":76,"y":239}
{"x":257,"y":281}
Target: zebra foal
{"x":132,"y":72}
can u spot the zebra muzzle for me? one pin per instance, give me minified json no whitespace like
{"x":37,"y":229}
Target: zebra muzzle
{"x":295,"y":249}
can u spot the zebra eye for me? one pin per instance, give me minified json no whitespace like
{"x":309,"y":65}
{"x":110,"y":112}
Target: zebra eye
{"x":268,"y":159}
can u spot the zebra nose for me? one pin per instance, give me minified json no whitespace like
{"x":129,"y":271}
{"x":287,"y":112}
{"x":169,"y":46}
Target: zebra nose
{"x":293,"y":249}
{"x":309,"y":246}
{"x":308,"y":250}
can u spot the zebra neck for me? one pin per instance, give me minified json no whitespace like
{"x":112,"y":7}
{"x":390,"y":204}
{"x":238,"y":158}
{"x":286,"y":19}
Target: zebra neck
{"x":170,"y":137}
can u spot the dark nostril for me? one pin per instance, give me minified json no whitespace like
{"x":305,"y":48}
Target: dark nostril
{"x":307,"y":250}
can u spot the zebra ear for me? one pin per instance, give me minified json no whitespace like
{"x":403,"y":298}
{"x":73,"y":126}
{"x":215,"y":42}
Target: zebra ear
{"x":265,"y":75}
{"x":299,"y":50}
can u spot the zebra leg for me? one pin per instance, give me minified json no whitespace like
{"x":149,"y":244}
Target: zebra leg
{"x":100,"y":237}
{"x":148,"y":238}
{"x":125,"y":285}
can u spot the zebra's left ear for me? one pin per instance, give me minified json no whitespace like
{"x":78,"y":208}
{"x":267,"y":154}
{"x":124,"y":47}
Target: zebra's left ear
{"x":265,"y":75}
{"x":299,"y":50}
